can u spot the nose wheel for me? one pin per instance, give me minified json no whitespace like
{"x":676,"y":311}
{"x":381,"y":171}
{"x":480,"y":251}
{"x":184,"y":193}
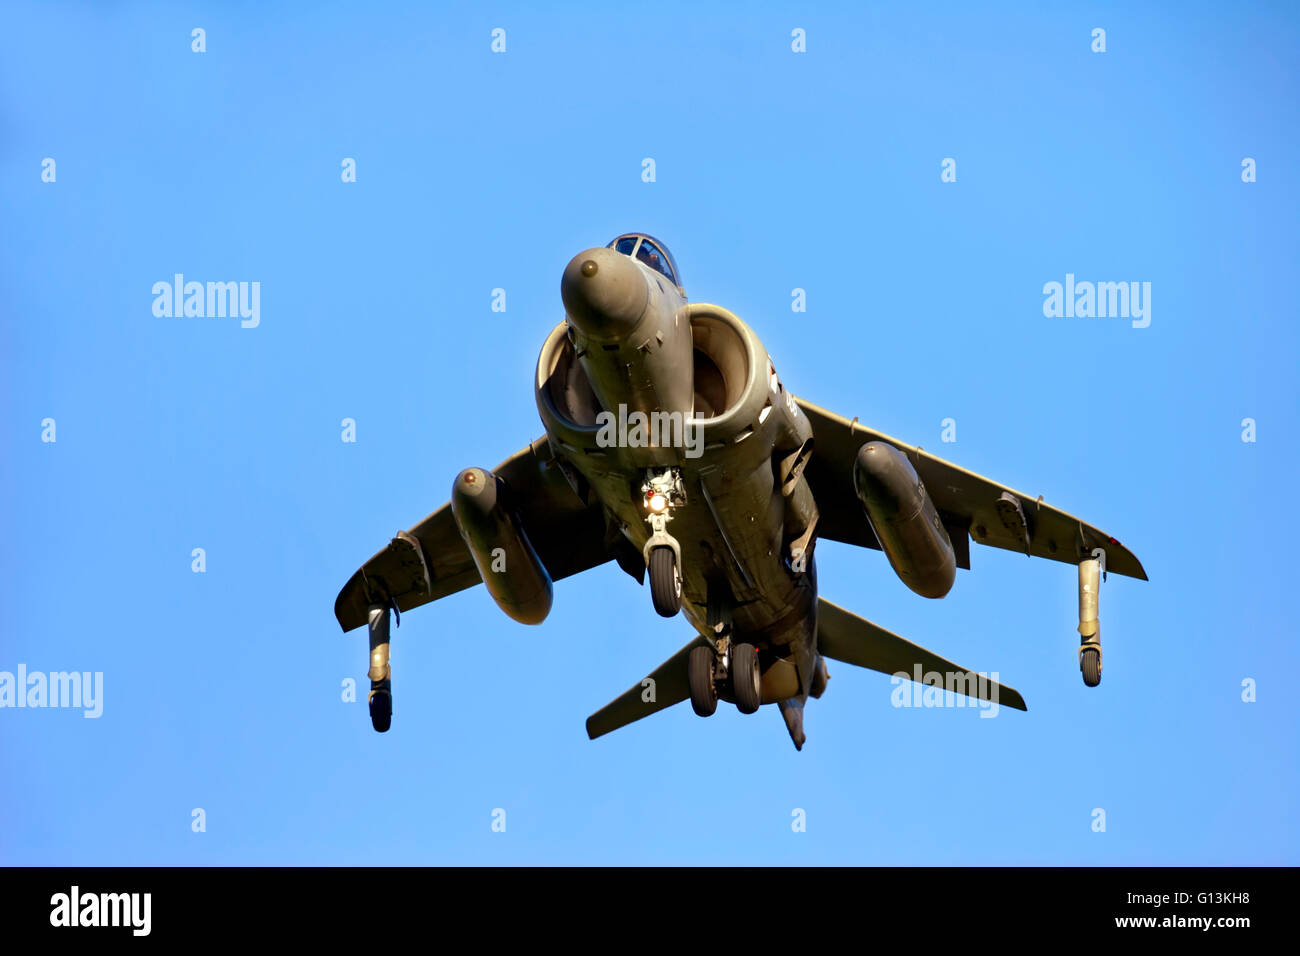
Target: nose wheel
{"x":665,"y":581}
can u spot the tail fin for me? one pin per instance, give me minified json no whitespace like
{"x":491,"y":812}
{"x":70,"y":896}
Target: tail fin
{"x":643,"y":699}
{"x":844,"y":636}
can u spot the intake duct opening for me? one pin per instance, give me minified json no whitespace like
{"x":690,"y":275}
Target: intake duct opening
{"x":569,"y":388}
{"x":721,"y":365}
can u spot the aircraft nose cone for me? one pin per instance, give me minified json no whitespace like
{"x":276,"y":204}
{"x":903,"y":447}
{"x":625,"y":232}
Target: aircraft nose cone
{"x":604,"y":293}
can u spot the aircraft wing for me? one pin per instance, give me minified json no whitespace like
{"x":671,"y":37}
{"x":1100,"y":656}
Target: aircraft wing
{"x":431,"y":561}
{"x":966,"y":501}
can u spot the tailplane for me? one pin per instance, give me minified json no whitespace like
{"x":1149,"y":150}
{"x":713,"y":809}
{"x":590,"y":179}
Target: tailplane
{"x":666,"y":685}
{"x":843,"y":636}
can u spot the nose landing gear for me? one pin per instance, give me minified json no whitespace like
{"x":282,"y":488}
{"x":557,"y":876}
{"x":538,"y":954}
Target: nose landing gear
{"x":663,"y":491}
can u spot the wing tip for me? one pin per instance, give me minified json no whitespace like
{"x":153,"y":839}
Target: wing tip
{"x":1137,"y":572}
{"x":344,"y":611}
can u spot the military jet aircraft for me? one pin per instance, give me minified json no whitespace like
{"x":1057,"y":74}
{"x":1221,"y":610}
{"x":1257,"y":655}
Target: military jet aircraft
{"x":673,"y":448}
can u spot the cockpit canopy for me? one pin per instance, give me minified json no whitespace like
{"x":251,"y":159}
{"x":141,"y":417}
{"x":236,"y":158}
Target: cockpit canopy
{"x":650,"y":251}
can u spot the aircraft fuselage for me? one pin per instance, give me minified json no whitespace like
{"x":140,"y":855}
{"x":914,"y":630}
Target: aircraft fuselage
{"x":633,"y":350}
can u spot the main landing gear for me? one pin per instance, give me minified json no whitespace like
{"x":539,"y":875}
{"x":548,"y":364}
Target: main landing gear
{"x":731,"y":669}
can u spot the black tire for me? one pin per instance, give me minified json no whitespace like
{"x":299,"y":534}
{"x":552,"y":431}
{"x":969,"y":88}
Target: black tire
{"x":1090,"y":664}
{"x":699,"y":676}
{"x":665,"y":581}
{"x":381,"y":710}
{"x":745,"y":678}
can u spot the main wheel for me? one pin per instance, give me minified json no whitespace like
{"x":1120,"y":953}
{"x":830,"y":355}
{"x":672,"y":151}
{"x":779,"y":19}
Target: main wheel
{"x":699,"y":676}
{"x":745,"y":678}
{"x":665,"y":581}
{"x":1090,"y":664}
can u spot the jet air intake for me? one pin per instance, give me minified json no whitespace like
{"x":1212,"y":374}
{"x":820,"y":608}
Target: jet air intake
{"x":506,"y":561}
{"x":904,"y":519}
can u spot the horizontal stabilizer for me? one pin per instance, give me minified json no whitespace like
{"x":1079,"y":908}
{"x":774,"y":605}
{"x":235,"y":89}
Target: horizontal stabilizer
{"x":843,"y":636}
{"x":643,"y":699}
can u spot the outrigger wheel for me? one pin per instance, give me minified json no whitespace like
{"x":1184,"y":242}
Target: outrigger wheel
{"x":665,"y":581}
{"x":1090,"y":664}
{"x":745,"y":680}
{"x":699,"y":676}
{"x":381,"y":709}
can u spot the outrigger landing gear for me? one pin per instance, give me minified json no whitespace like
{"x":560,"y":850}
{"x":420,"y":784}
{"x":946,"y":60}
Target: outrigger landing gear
{"x":381,"y":671}
{"x":1090,"y":571}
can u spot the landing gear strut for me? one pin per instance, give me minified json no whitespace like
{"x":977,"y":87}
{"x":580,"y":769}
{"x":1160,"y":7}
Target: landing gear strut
{"x":381,"y":671}
{"x":1090,"y":571}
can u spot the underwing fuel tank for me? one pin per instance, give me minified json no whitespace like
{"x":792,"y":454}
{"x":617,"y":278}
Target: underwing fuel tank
{"x":905,"y":521}
{"x":506,"y":561}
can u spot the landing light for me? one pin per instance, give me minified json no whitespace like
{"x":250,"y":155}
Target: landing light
{"x":657,"y":503}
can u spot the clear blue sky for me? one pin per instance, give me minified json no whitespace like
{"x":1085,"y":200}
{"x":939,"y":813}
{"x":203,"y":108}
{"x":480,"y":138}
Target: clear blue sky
{"x":775,"y":170}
